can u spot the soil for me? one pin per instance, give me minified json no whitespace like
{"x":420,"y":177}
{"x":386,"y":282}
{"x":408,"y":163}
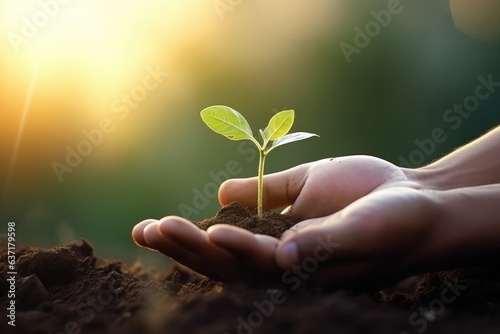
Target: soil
{"x":68,"y":289}
{"x":234,"y":213}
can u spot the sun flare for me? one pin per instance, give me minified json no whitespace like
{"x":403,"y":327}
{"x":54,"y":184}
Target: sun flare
{"x":87,"y":55}
{"x":99,"y":45}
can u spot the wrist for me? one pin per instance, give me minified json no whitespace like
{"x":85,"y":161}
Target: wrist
{"x":474,"y":164}
{"x":431,"y":177}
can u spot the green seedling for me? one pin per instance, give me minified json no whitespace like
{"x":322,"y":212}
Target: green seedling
{"x":231,"y":124}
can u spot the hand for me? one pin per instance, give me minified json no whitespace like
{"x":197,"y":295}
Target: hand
{"x":367,"y":221}
{"x":225,"y":252}
{"x":365,"y":213}
{"x":375,"y":221}
{"x":214,"y":253}
{"x":387,"y":235}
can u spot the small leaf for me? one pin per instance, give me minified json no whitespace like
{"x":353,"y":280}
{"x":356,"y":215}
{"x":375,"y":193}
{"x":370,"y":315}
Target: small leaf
{"x":227,"y":122}
{"x":290,"y":138}
{"x":279,"y":125}
{"x":263,"y":135}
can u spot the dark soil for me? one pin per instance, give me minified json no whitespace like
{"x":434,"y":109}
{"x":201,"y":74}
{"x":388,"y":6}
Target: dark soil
{"x":68,"y":289}
{"x":234,"y":213}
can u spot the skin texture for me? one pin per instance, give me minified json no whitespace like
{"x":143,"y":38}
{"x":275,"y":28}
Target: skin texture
{"x":364,"y":220}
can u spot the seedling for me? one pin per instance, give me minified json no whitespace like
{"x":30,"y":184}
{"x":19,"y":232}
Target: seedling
{"x":231,"y":124}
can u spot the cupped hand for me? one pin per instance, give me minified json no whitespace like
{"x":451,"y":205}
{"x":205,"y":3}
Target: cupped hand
{"x":313,"y":191}
{"x":360,"y":216}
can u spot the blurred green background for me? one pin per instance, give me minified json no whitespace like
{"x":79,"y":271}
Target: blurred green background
{"x":258,"y":57}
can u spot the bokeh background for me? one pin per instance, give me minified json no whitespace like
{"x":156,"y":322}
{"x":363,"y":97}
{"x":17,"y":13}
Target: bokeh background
{"x":67,"y":66}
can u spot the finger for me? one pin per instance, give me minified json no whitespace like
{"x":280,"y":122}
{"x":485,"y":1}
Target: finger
{"x":303,"y":224}
{"x":180,"y":240}
{"x":189,"y":237}
{"x":138,"y":232}
{"x":280,"y":189}
{"x":220,"y":261}
{"x":255,"y":249}
{"x":287,"y":210}
{"x":333,"y":239}
{"x":156,"y":240}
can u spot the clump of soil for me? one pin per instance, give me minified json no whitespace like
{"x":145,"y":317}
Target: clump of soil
{"x":234,"y":213}
{"x":68,"y":289}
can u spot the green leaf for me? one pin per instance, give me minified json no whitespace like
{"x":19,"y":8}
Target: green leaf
{"x":279,"y":125}
{"x":263,"y":135}
{"x":227,"y":122}
{"x":290,"y":138}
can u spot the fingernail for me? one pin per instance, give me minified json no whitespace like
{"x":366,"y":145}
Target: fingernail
{"x":291,"y":251}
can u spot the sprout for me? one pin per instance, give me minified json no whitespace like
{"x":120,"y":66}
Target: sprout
{"x":231,"y":124}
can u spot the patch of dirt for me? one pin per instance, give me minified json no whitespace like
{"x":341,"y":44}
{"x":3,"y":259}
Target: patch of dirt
{"x":68,"y":289}
{"x":234,"y":213}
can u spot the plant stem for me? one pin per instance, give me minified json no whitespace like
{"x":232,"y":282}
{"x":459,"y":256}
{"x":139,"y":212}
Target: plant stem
{"x":260,"y":186}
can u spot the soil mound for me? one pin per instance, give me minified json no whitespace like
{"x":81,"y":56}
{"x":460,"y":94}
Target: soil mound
{"x":67,"y":289}
{"x":234,"y":213}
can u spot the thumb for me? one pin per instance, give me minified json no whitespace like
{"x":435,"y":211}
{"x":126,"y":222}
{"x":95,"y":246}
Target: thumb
{"x":280,"y":189}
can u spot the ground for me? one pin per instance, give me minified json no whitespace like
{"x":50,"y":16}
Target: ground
{"x":68,"y":289}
